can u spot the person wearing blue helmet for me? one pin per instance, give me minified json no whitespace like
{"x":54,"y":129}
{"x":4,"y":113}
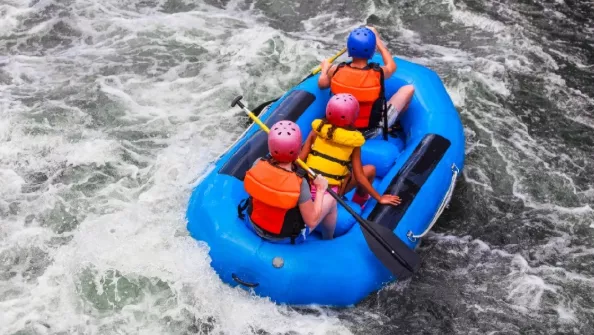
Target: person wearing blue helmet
{"x":365,"y":81}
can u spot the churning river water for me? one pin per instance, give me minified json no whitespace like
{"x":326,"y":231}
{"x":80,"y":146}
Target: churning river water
{"x":111,"y":110}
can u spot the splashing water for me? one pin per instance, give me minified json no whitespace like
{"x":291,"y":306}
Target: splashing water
{"x":111,"y":111}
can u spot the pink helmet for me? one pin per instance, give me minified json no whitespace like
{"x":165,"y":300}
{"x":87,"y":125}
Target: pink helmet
{"x":342,"y":110}
{"x":284,"y":141}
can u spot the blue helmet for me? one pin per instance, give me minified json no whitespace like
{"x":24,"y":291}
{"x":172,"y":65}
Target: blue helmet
{"x":361,"y":43}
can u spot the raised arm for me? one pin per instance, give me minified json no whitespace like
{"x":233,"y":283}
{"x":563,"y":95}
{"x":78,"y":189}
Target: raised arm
{"x":326,"y":74}
{"x":389,"y":64}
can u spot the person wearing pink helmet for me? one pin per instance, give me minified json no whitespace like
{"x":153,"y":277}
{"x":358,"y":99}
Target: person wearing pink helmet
{"x":365,"y":81}
{"x":280,"y":205}
{"x":333,"y":148}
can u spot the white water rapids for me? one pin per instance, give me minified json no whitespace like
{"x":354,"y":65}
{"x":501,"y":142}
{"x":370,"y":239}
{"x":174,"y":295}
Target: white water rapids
{"x":110,"y":111}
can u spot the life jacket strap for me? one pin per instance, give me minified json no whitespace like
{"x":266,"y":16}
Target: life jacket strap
{"x":293,"y":216}
{"x":243,"y":205}
{"x":383,"y":103}
{"x":296,"y":224}
{"x":328,"y":175}
{"x":330,"y":158}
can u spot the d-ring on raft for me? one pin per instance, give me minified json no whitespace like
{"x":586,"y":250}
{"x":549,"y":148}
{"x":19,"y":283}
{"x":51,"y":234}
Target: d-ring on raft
{"x":420,"y":163}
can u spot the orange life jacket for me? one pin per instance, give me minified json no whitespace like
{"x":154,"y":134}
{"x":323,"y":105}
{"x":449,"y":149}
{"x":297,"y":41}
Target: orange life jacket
{"x":366,"y":85}
{"x":274,"y":195}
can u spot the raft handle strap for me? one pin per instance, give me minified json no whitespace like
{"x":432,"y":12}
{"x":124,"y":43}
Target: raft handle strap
{"x":243,"y":205}
{"x":446,"y":200}
{"x":244,"y":283}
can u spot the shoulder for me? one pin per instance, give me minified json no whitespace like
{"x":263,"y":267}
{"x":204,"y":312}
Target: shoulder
{"x":257,"y":161}
{"x":300,"y":172}
{"x":351,"y":138}
{"x":377,"y":67}
{"x":314,"y":125}
{"x":385,"y":70}
{"x":304,"y":192}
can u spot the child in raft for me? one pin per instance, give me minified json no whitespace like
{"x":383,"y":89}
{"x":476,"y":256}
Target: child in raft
{"x":365,"y":81}
{"x":281,"y":208}
{"x":334,"y":144}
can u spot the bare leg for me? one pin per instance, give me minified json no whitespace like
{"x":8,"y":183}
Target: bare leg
{"x":369,"y":172}
{"x":401,"y":99}
{"x":329,"y":215}
{"x":397,"y":104}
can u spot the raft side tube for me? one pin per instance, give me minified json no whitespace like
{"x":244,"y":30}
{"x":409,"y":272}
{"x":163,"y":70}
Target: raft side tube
{"x":410,"y":178}
{"x":342,"y":271}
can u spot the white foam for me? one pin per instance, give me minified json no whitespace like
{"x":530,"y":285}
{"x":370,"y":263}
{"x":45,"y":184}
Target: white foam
{"x":525,"y":289}
{"x":470,"y":19}
{"x":135,"y":224}
{"x":10,"y":182}
{"x":482,"y":180}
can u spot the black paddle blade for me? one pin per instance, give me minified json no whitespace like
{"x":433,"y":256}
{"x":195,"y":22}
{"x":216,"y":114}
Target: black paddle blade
{"x":387,"y":247}
{"x":395,"y":255}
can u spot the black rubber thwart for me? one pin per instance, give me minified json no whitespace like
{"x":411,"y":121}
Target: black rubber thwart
{"x":410,"y":179}
{"x":389,"y":249}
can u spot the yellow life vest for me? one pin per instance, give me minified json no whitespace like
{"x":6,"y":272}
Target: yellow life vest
{"x":331,"y":157}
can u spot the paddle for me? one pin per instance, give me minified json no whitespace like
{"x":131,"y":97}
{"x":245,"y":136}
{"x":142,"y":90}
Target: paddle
{"x":387,"y":247}
{"x":315,"y":70}
{"x":319,"y":68}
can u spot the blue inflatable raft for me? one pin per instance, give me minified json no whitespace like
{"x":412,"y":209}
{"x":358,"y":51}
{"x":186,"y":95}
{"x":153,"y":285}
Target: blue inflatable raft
{"x":420,"y":163}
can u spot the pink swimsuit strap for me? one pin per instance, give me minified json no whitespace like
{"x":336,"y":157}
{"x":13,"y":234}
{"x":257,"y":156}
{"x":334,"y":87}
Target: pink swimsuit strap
{"x":314,"y":191}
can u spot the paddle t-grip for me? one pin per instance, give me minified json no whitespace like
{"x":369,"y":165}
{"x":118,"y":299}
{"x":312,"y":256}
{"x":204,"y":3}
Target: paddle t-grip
{"x":237,"y":101}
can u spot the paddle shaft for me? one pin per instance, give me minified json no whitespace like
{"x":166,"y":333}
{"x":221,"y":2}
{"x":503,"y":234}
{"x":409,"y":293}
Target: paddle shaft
{"x":331,"y":60}
{"x":357,"y":217}
{"x":267,"y":130}
{"x":317,"y":69}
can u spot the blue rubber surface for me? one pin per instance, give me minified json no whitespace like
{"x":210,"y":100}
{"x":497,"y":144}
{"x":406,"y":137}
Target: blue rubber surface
{"x":343,"y":271}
